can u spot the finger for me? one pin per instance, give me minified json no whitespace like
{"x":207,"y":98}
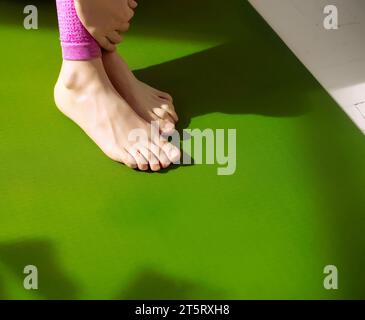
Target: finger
{"x":129,"y":14}
{"x":133,"y":4}
{"x":114,"y":37}
{"x":106,"y":44}
{"x":123,"y":27}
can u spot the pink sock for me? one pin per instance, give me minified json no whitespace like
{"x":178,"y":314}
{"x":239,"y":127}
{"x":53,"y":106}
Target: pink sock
{"x":76,"y":41}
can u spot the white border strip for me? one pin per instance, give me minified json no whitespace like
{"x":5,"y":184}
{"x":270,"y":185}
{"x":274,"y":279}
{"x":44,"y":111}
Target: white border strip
{"x":336,"y":58}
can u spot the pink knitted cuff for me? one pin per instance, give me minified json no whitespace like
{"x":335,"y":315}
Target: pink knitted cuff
{"x":76,"y":42}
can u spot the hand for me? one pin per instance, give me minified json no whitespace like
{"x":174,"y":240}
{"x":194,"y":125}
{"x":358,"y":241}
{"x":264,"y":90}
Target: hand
{"x":105,"y":20}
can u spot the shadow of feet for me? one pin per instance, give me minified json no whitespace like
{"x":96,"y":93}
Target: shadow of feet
{"x":53,"y":283}
{"x":235,"y":78}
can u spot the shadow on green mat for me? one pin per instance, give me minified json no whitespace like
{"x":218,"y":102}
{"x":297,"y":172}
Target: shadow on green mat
{"x":2,"y":289}
{"x":152,"y":285}
{"x":53,"y":283}
{"x":235,"y":79}
{"x":337,"y":150}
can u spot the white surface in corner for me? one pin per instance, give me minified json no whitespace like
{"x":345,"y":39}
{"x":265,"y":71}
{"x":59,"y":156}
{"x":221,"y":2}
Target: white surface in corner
{"x":335,"y":57}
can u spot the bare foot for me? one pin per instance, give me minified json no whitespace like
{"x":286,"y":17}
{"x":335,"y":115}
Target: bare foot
{"x":151,"y":104}
{"x":84,"y":94}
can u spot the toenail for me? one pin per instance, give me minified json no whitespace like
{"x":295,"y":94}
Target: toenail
{"x":166,"y":164}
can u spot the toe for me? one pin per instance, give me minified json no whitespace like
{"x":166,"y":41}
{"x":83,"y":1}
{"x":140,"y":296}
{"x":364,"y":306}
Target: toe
{"x":167,"y":127}
{"x":122,"y":156}
{"x":161,"y":155}
{"x":165,"y":113}
{"x":149,"y":155}
{"x":171,"y":111}
{"x":173,"y":153}
{"x":142,"y":162}
{"x":129,"y":160}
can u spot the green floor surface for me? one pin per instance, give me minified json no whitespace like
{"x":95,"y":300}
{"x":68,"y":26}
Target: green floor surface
{"x":96,"y":229}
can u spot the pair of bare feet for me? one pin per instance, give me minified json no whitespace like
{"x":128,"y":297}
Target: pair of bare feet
{"x":108,"y":102}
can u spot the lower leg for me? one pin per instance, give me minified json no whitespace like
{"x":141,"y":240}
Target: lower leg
{"x":77,"y":43}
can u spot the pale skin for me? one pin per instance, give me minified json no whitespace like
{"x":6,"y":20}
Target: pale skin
{"x":107,"y":101}
{"x":149,"y":103}
{"x":85,"y":94}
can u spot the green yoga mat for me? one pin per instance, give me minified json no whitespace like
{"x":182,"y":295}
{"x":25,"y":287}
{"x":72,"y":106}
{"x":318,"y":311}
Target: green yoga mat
{"x":98,"y":230}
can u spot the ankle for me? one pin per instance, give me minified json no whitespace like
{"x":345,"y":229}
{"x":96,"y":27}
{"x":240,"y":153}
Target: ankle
{"x":77,"y":75}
